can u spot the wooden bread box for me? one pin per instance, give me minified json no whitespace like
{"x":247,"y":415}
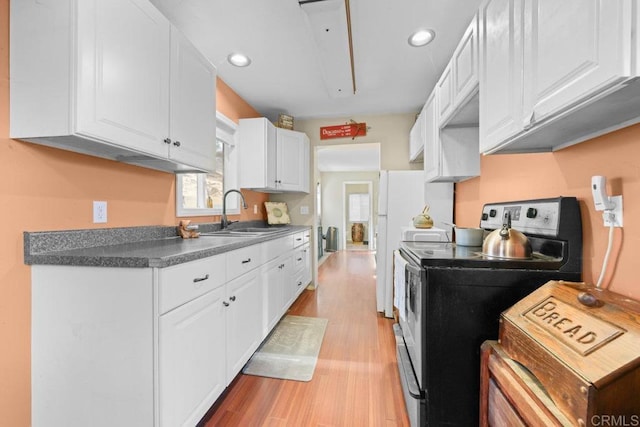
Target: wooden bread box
{"x":581,"y":346}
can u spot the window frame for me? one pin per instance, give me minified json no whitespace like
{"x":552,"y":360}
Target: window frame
{"x":226,"y":132}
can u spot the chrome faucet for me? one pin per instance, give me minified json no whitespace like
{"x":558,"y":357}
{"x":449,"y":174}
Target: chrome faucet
{"x":224,"y":223}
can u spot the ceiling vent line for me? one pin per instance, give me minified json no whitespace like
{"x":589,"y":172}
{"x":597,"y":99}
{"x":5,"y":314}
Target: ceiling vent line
{"x":330,"y":24}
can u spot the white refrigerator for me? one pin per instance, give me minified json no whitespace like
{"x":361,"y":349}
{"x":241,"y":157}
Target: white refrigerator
{"x":403,"y":195}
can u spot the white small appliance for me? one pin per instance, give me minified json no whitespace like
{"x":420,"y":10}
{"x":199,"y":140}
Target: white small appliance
{"x":433,"y":234}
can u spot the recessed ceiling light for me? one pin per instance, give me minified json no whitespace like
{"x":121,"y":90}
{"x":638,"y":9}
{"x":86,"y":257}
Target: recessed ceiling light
{"x":239,"y":59}
{"x":421,"y":37}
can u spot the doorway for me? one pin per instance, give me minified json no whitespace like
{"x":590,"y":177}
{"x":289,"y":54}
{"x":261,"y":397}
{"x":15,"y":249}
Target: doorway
{"x":357,"y":202}
{"x":337,"y":165}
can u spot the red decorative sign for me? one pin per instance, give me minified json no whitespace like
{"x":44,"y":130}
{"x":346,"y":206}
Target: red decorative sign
{"x":343,"y":131}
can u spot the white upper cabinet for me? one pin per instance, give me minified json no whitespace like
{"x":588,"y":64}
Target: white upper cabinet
{"x":122,"y":85}
{"x":458,"y":85}
{"x":291,"y":164}
{"x":451,"y":153}
{"x":273,"y":160}
{"x":192,"y":126}
{"x":417,"y":137}
{"x":555,"y":73}
{"x":119,"y":83}
{"x":573,"y":49}
{"x":500,"y":71}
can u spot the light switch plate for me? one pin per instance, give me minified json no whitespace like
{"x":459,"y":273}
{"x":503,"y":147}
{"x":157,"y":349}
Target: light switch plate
{"x":304,"y":210}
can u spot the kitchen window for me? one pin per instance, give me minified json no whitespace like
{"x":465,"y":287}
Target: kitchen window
{"x":200,"y":194}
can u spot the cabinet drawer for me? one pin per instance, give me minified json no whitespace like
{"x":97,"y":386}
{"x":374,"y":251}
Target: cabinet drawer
{"x":182,"y":283}
{"x":298,"y":259}
{"x":298,"y":239}
{"x":307,"y":236}
{"x":274,"y":248}
{"x":242,"y":260}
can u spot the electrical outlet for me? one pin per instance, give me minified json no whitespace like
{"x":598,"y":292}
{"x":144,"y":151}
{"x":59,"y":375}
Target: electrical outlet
{"x":304,"y":210}
{"x":99,"y":212}
{"x":614,"y":216}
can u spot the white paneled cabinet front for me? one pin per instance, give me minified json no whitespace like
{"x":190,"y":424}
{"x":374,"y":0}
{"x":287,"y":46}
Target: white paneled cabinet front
{"x":555,"y":73}
{"x":192,"y":126}
{"x":192,"y":370}
{"x":244,"y":320}
{"x":119,"y":82}
{"x":500,"y":71}
{"x":572,"y":49}
{"x":273,"y":159}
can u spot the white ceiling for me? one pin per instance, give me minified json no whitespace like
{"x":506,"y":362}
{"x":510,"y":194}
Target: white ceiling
{"x":286,"y":75}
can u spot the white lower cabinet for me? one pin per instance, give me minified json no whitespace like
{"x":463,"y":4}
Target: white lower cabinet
{"x":276,"y":274}
{"x":154,"y":346}
{"x":192,"y":370}
{"x":244,"y":320}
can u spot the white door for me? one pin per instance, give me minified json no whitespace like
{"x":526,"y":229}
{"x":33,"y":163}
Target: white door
{"x":290,"y":153}
{"x":244,"y":320}
{"x":501,"y":47}
{"x":573,"y":48}
{"x":123,"y":74}
{"x":191,"y":366}
{"x":193,"y":105}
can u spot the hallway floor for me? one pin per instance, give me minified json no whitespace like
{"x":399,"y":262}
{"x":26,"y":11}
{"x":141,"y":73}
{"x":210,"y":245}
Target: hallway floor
{"x":356,"y":381}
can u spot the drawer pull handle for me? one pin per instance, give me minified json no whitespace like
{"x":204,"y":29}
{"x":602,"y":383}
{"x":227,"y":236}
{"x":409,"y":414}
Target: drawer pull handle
{"x":226,"y":304}
{"x":299,"y":283}
{"x":298,"y":239}
{"x":246,"y":261}
{"x":200,"y":279}
{"x":299,"y":259}
{"x":232,"y":298}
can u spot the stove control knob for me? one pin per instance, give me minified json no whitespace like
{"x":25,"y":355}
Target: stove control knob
{"x":532,"y":212}
{"x":485,"y":216}
{"x":493,"y":213}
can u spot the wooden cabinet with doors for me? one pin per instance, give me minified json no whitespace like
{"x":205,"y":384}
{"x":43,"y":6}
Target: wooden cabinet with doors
{"x":120,"y":83}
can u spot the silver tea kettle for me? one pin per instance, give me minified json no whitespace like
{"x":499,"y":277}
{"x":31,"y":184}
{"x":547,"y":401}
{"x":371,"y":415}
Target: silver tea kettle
{"x":506,"y":242}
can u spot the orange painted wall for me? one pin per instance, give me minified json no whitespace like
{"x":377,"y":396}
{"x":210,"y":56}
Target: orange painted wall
{"x":568,"y":173}
{"x":47,"y":189}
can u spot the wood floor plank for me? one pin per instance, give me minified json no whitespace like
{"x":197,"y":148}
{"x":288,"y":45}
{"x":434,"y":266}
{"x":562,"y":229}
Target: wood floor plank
{"x":356,"y":381}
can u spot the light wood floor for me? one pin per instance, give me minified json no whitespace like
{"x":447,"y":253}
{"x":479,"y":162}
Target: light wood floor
{"x":356,"y":381}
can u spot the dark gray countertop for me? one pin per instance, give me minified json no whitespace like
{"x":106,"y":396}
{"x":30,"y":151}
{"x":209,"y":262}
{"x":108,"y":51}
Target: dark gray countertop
{"x":137,"y":247}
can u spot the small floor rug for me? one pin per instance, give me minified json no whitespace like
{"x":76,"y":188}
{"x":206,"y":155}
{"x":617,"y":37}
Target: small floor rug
{"x":290,"y":352}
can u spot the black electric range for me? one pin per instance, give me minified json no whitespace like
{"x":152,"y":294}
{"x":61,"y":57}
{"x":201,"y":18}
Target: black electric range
{"x":452,"y":300}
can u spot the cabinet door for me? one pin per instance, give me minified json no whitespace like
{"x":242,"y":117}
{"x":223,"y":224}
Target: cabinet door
{"x":432,"y":164}
{"x":501,"y":50}
{"x":465,"y":65}
{"x":191,"y":366}
{"x":444,"y":91}
{"x":244,"y":320}
{"x":122,"y":74}
{"x":290,"y":153}
{"x":306,"y":270}
{"x":416,"y":137}
{"x":272,"y":286}
{"x":192,"y":125}
{"x":574,"y":49}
